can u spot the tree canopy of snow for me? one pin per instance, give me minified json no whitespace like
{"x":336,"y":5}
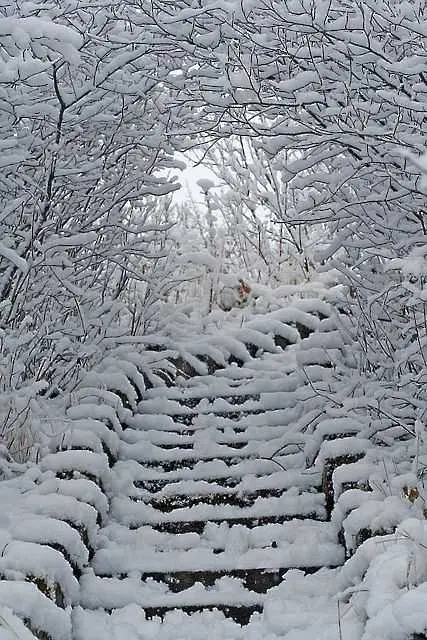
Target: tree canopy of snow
{"x":85,"y":144}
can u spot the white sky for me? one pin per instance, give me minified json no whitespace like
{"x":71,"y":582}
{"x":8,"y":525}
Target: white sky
{"x":188,"y":179}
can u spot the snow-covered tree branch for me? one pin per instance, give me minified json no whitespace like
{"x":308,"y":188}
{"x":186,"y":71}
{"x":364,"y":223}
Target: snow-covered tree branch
{"x":85,"y":144}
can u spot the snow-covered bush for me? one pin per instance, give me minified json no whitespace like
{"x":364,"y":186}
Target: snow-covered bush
{"x":84,"y":149}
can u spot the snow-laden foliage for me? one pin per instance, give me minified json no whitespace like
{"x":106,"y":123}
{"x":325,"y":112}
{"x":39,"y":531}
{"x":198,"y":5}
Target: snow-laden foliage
{"x":222,"y":252}
{"x":338,"y":90}
{"x":257,"y":208}
{"x":84,"y":142}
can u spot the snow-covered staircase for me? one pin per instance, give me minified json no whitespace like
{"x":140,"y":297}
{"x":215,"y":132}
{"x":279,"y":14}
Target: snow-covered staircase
{"x":203,"y":499}
{"x":212,"y":499}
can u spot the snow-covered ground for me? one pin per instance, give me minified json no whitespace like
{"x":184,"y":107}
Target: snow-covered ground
{"x":95,"y":534}
{"x":302,"y":608}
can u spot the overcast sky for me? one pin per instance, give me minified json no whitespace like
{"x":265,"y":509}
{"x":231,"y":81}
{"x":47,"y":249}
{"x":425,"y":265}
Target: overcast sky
{"x":188,"y":179}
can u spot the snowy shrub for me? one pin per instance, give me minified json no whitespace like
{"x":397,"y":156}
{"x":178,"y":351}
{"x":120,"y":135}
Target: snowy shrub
{"x":80,"y":167}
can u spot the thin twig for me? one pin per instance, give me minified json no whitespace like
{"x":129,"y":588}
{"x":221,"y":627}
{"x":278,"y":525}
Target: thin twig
{"x":339,"y":620}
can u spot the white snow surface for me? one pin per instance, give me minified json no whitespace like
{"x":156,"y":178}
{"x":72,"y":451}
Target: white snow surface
{"x":255,"y":428}
{"x":301,"y":608}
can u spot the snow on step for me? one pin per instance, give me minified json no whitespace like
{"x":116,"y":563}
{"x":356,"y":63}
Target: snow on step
{"x":110,"y":593}
{"x":220,"y":432}
{"x":211,"y":387}
{"x":55,"y":533}
{"x":259,"y":397}
{"x":235,"y":382}
{"x":245,"y":475}
{"x":303,"y":607}
{"x":214,"y":494}
{"x":213,"y":437}
{"x":43,"y":616}
{"x":248,"y":485}
{"x":188,"y":493}
{"x":92,"y":465}
{"x":290,"y":505}
{"x":42,"y":563}
{"x":204,"y":448}
{"x":260,"y":557}
{"x":191,"y":422}
{"x":82,"y":489}
{"x":206,"y":625}
{"x":180,"y":412}
{"x":208,"y":390}
{"x":308,"y":551}
{"x":233,"y":461}
{"x":222,"y":536}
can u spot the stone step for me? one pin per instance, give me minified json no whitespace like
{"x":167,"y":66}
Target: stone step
{"x":110,"y":593}
{"x":285,"y":455}
{"x":206,"y":563}
{"x":190,"y":463}
{"x":186,"y":424}
{"x":288,"y":505}
{"x":220,"y":406}
{"x":156,"y":485}
{"x":256,"y":580}
{"x":168,"y":503}
{"x":217,"y":538}
{"x":176,"y":445}
{"x":216,"y":432}
{"x":231,"y":462}
{"x":199,"y":526}
{"x":193,"y":400}
{"x":208,"y":476}
{"x":239,"y":613}
{"x":188,"y":446}
{"x":236,"y":384}
{"x":232,"y":415}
